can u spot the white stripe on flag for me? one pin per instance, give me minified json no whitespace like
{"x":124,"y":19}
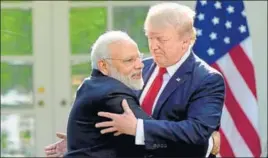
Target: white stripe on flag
{"x":246,"y":45}
{"x":237,"y":143}
{"x":239,"y":89}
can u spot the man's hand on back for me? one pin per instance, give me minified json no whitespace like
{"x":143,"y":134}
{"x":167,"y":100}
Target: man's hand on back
{"x":57,"y":149}
{"x":120,"y":123}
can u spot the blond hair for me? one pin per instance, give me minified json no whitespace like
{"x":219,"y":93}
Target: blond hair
{"x":170,"y":13}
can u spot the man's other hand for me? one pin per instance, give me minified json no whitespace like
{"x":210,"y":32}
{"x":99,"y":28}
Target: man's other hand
{"x":59,"y":148}
{"x":216,"y":142}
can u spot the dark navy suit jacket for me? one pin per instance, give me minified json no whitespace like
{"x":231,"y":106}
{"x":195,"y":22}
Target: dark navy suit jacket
{"x":189,"y":108}
{"x":100,"y":93}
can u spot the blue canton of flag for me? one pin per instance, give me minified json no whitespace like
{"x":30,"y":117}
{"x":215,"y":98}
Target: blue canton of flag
{"x":220,"y":26}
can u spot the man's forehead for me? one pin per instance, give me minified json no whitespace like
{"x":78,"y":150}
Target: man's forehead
{"x":156,"y":32}
{"x":161,"y":30}
{"x":123,"y":49}
{"x":120,"y":44}
{"x":153,"y":33}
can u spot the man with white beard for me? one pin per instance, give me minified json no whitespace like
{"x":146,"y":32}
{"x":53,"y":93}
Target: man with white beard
{"x":117,"y":71}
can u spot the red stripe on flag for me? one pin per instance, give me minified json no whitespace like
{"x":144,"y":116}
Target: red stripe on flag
{"x":225,"y":148}
{"x":244,"y":66}
{"x":241,"y":121}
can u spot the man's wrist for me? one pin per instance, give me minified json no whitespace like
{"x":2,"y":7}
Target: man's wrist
{"x":139,"y":138}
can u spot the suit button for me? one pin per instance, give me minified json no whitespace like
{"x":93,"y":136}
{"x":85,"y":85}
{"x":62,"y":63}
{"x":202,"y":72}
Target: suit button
{"x":149,"y":156}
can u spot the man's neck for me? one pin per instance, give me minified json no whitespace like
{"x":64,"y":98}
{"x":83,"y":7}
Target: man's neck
{"x":173,"y":68}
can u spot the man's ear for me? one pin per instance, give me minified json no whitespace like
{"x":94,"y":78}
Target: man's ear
{"x":186,"y":43}
{"x":103,"y":67}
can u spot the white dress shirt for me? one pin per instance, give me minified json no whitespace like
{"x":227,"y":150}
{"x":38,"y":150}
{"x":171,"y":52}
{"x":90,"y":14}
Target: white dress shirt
{"x":139,"y":139}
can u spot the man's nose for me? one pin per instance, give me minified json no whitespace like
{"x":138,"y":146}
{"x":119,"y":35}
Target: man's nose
{"x":153,"y":44}
{"x":139,"y":64}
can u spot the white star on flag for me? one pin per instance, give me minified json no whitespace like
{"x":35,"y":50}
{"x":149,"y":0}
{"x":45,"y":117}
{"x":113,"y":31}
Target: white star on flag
{"x":215,"y":20}
{"x":217,"y":5}
{"x":228,"y":24}
{"x":203,"y":3}
{"x":199,"y":32}
{"x":230,"y":9}
{"x":226,"y":40}
{"x":243,"y":13}
{"x":213,"y":36}
{"x":242,"y":28}
{"x":201,"y":17}
{"x":211,"y":51}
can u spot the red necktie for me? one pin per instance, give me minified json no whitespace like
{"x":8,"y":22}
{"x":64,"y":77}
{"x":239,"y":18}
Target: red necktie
{"x":149,"y":98}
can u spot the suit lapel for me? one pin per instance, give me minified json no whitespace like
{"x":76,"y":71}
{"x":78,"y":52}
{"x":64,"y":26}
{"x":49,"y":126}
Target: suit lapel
{"x":175,"y":81}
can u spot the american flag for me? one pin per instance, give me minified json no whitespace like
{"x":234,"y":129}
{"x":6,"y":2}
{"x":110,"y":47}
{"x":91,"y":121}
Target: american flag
{"x":224,"y":42}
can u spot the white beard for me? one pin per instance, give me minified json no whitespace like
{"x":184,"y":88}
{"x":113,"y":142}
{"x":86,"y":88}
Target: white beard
{"x":135,"y":84}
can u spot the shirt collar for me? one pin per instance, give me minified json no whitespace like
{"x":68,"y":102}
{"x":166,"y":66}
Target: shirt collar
{"x":173,"y":68}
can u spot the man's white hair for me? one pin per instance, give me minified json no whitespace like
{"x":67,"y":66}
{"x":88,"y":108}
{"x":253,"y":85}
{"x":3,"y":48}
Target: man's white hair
{"x":171,"y":13}
{"x":100,"y":48}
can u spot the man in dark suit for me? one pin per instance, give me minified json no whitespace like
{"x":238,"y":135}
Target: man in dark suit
{"x":117,"y":70}
{"x":183,"y":93}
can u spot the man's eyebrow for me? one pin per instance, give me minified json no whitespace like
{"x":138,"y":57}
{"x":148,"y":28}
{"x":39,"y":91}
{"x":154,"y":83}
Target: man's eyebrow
{"x":151,"y":33}
{"x":131,"y":56}
{"x":163,"y":36}
{"x":156,"y":35}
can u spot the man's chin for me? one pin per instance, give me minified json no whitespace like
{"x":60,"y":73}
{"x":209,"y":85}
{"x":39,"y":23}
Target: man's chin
{"x":137,"y":86}
{"x":134,"y":84}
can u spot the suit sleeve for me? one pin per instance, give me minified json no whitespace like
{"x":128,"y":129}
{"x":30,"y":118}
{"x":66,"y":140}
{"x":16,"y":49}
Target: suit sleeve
{"x":114,"y":104}
{"x":203,"y":117}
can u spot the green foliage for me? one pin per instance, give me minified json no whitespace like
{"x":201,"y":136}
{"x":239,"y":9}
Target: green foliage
{"x":131,"y":20}
{"x":16,"y":76}
{"x":26,"y":135}
{"x":81,"y":69}
{"x":86,"y":25}
{"x":16,"y":32}
{"x":4,"y":136}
